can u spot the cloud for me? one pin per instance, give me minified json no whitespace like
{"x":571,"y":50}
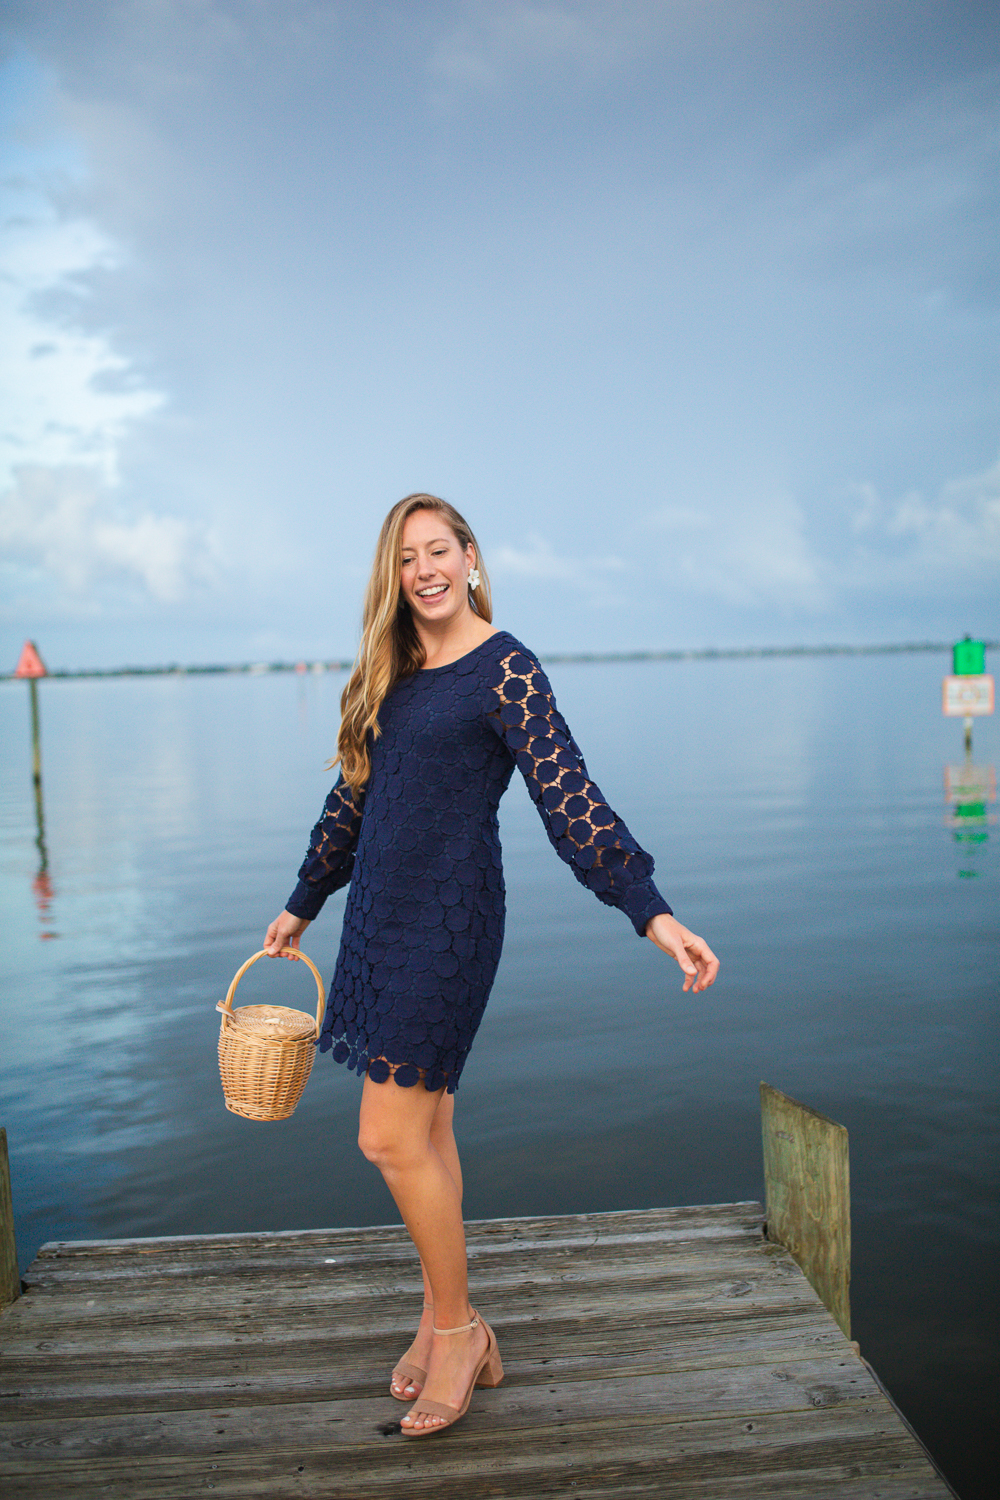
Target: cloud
{"x":762,"y":552}
{"x":908,"y":197}
{"x":491,"y":39}
{"x":67,"y":396}
{"x":752,"y":552}
{"x":927,"y":543}
{"x":538,"y":561}
{"x":492,"y":42}
{"x":69,"y":532}
{"x":61,"y":532}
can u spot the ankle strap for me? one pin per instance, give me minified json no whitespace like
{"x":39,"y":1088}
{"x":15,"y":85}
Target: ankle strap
{"x":465,"y":1328}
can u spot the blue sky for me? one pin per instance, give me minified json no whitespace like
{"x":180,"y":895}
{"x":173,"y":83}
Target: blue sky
{"x":691,"y":308}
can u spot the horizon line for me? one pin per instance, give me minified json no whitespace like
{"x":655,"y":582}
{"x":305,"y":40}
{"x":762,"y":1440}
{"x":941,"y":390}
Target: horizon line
{"x":327,"y":664}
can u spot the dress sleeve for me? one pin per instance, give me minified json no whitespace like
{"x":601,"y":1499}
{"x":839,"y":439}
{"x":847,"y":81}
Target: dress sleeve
{"x":582,"y":828}
{"x":329,"y":859}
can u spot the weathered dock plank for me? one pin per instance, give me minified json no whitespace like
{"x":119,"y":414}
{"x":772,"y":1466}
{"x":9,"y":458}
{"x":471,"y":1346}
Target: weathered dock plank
{"x":669,"y":1352}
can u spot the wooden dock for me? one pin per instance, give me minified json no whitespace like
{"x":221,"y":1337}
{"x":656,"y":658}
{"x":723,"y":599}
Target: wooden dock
{"x":667,"y":1353}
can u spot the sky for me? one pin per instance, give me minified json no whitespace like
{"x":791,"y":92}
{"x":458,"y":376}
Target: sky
{"x":690,"y":307}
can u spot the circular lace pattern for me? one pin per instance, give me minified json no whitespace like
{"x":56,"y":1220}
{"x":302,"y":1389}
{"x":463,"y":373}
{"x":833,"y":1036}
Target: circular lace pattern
{"x":423,"y":927}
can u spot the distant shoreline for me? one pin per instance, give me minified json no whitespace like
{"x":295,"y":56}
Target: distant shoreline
{"x":707,"y":653}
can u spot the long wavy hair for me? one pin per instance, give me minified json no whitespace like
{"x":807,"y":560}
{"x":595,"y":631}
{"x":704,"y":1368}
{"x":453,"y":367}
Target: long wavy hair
{"x":390,"y":646}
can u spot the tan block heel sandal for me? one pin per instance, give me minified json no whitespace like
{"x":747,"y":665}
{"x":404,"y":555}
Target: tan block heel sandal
{"x":489,"y":1372}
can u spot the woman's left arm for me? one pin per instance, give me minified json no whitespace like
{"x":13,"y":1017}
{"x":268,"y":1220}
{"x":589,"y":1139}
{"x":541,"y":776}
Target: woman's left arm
{"x":584,"y":830}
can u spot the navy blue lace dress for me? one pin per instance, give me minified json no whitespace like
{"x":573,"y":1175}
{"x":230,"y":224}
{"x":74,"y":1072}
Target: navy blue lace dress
{"x":423,"y":927}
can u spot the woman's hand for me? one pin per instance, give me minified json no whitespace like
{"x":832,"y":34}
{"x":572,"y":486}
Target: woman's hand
{"x":695,"y":957}
{"x":284,"y":932}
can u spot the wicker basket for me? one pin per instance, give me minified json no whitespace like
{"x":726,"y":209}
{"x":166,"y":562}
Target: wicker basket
{"x":266,"y":1051}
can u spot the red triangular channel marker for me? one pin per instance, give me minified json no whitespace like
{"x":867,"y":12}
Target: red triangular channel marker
{"x":30,"y":663}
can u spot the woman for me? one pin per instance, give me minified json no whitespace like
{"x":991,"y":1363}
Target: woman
{"x":438,"y":710}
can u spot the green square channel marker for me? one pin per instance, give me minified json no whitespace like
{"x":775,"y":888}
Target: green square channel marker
{"x":969,"y":658}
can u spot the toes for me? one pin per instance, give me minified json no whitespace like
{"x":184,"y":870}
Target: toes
{"x":405,"y":1389}
{"x":425,"y":1419}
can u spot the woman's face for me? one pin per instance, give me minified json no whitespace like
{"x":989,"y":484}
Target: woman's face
{"x":434,"y":572}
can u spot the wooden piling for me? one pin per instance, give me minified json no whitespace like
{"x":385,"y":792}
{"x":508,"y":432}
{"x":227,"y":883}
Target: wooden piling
{"x":10,"y":1280}
{"x":808,"y":1195}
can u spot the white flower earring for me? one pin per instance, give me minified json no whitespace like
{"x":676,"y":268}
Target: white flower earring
{"x":474,"y":578}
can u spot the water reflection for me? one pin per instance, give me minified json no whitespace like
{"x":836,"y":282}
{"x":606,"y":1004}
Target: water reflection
{"x":969,"y":788}
{"x":44,"y":892}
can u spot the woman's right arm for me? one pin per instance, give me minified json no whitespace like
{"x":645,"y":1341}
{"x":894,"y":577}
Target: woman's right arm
{"x":327,"y":866}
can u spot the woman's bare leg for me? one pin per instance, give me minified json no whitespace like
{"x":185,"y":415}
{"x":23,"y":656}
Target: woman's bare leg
{"x":443,"y":1139}
{"x":395,"y":1134}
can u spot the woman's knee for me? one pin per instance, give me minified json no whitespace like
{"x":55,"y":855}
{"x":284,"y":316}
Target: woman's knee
{"x":377,"y":1143}
{"x":395,"y":1123}
{"x":390,"y":1142}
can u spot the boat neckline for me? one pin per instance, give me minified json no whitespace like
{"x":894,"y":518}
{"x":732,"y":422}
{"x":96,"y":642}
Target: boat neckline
{"x":465,"y":656}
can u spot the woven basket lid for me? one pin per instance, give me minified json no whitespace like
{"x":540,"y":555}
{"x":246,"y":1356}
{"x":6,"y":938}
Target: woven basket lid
{"x":275,"y":1021}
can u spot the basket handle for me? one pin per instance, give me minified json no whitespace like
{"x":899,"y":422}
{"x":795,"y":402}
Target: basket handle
{"x":226,"y":1006}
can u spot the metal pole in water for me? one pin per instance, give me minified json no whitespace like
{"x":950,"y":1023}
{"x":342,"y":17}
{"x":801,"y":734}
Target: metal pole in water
{"x":31,"y":666}
{"x":36,"y":776}
{"x":36,"y":738}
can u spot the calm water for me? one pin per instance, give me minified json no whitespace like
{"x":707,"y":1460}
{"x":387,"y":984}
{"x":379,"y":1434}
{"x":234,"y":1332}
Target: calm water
{"x":797,"y":812}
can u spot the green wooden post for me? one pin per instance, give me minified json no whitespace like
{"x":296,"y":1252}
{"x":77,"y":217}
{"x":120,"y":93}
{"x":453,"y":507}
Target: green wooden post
{"x":10,"y":1280}
{"x":807,"y":1182}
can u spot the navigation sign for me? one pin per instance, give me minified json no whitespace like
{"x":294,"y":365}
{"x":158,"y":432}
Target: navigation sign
{"x":968,"y":658}
{"x":967,"y":697}
{"x":29,"y":663}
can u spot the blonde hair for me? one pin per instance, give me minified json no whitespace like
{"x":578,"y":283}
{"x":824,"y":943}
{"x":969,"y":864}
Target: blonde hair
{"x":390,"y":646}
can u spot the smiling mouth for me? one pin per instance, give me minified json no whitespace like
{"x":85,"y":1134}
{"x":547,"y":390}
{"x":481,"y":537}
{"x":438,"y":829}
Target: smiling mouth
{"x":432,"y":593}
